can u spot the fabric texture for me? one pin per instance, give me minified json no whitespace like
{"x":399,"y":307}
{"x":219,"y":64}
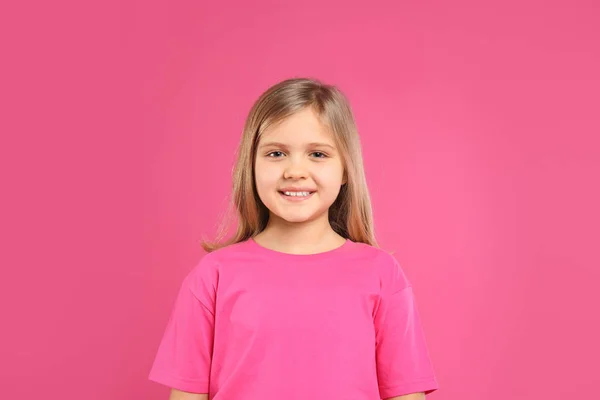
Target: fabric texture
{"x":254,"y":323}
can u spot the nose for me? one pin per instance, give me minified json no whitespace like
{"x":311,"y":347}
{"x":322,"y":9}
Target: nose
{"x":295,"y":169}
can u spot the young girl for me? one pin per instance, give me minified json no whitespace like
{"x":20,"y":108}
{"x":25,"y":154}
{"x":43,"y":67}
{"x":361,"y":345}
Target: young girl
{"x":300,"y":303}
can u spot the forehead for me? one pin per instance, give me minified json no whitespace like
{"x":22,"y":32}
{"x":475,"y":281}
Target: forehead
{"x":298,"y":129}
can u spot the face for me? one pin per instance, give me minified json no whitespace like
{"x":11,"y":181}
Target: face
{"x":298,"y":155}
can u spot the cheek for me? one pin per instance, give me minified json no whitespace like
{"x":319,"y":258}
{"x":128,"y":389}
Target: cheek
{"x":331,"y":175}
{"x":265,"y":178}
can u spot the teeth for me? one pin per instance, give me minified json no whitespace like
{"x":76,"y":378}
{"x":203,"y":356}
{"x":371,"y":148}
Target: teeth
{"x":301,"y":194}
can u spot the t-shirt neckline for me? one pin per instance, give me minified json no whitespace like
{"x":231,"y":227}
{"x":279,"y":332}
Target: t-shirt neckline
{"x":297,"y":257}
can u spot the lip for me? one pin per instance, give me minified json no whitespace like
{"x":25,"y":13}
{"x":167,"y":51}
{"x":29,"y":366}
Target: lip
{"x":297,"y":198}
{"x":296,"y":189}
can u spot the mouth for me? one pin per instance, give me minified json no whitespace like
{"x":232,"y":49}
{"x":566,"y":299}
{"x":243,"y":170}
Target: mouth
{"x":296,"y":196}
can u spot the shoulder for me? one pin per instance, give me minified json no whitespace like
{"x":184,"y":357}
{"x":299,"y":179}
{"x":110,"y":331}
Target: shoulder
{"x":210,"y":264}
{"x":203,"y":278}
{"x":376,"y":256}
{"x":390,"y":273}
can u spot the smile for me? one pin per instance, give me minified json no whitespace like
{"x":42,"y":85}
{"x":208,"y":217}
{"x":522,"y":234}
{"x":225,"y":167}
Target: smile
{"x":296,"y":196}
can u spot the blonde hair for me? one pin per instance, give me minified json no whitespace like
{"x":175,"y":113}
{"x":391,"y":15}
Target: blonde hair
{"x":350,"y":215}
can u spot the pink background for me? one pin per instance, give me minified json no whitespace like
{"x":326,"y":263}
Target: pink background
{"x":480,"y":129}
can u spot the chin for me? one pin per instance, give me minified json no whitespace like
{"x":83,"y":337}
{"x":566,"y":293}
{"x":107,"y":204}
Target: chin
{"x":294,"y":218}
{"x":298,"y":216}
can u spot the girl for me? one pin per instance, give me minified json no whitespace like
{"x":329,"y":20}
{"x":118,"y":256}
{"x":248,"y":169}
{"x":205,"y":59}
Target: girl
{"x":300,"y":303}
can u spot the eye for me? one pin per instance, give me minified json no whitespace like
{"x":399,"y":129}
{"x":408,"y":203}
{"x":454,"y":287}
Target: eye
{"x":274,"y":152}
{"x":323,"y":155}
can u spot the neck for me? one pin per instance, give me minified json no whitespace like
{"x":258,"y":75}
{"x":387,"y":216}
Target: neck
{"x":308,"y":236}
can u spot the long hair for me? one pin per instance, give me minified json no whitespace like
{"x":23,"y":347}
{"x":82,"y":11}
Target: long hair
{"x":350,"y":215}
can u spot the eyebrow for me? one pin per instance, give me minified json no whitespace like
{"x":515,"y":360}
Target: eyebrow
{"x":278,"y":144}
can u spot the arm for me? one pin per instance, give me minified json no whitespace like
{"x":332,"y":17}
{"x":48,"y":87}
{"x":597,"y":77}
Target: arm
{"x":412,"y":396}
{"x":179,"y":395}
{"x":184,"y":356}
{"x":403,"y":364}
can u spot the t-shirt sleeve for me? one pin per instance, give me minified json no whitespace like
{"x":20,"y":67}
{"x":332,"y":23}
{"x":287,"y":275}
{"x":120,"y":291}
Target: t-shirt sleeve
{"x":403,"y":363}
{"x":184,"y":355}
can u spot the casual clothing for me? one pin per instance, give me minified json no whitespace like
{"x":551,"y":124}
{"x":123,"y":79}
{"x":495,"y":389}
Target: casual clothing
{"x":251,"y":323}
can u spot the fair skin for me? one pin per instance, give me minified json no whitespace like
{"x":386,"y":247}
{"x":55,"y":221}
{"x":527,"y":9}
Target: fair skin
{"x":179,"y":395}
{"x":298,"y":152}
{"x":412,"y":396}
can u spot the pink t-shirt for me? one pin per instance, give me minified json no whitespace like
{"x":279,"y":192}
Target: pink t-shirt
{"x":254,"y":323}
